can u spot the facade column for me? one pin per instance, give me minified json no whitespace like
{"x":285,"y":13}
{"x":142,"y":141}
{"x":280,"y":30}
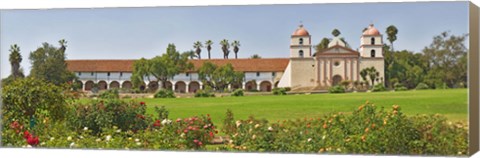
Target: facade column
{"x":173,"y":85}
{"x":187,"y":90}
{"x":229,"y":87}
{"x":243,"y":85}
{"x":83,"y":85}
{"x":258,"y":86}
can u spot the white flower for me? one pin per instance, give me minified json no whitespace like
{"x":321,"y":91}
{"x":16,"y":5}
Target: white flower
{"x":138,"y":143}
{"x":119,"y":130}
{"x":52,"y":138}
{"x":182,"y":135}
{"x":257,"y":125}
{"x":108,"y":137}
{"x":29,"y":146}
{"x":238,"y":123}
{"x":166,"y":121}
{"x":81,"y":137}
{"x":230,"y":141}
{"x":98,"y":139}
{"x":129,"y":138}
{"x":85,"y":128}
{"x":137,"y":140}
{"x":323,"y":137}
{"x":72,"y":145}
{"x":69,"y":138}
{"x":339,"y":150}
{"x":270,"y":128}
{"x":43,"y":143}
{"x":309,"y":139}
{"x":254,"y":136}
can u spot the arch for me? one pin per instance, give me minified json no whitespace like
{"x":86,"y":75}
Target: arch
{"x":180,"y":87}
{"x":168,"y":85}
{"x":193,"y":87}
{"x":300,"y":41}
{"x":114,"y":84}
{"x":372,"y":53}
{"x":89,"y":85}
{"x":152,"y":86}
{"x":372,"y":40}
{"x":127,"y":85}
{"x":142,"y":87}
{"x":236,"y":86}
{"x":336,"y":80}
{"x":102,"y":85}
{"x":300,"y":53}
{"x":250,"y":85}
{"x":265,"y":86}
{"x":80,"y":84}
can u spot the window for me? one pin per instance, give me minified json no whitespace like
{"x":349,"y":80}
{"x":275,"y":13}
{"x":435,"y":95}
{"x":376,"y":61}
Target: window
{"x":121,"y":74}
{"x":108,"y":73}
{"x":258,"y":74}
{"x":186,"y":74}
{"x":372,"y":40}
{"x":91,"y":74}
{"x":79,"y":73}
{"x":300,"y":53}
{"x":336,"y":63}
{"x":273,"y":73}
{"x":300,"y":41}
{"x":372,"y":53}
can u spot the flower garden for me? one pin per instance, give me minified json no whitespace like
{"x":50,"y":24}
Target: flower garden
{"x":114,"y":123}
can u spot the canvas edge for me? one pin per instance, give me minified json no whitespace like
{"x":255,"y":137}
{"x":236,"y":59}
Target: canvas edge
{"x":473,"y":79}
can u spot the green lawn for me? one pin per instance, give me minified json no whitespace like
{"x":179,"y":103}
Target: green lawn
{"x":451,"y":103}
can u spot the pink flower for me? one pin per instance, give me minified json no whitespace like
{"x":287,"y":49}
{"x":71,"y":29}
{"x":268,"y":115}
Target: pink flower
{"x":200,"y":143}
{"x":185,"y":131}
{"x":178,"y":120}
{"x":195,"y":141}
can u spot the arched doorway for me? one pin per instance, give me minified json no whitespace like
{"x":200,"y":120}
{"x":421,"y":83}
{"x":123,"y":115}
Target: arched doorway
{"x":236,"y":86}
{"x":265,"y":86}
{"x":168,"y":85}
{"x":102,"y":85}
{"x":153,"y":86}
{"x":336,"y":80}
{"x":250,"y":86}
{"x":193,"y":87}
{"x":114,"y":84}
{"x":142,"y":87}
{"x":79,"y":85}
{"x":89,"y":85}
{"x":127,"y":85}
{"x":180,"y":87}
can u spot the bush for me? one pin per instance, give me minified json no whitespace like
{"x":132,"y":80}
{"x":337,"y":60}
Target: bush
{"x":109,"y":94}
{"x":30,"y":99}
{"x":229,"y":123}
{"x":368,"y":130}
{"x":336,"y":89}
{"x":202,"y":93}
{"x":164,"y":93}
{"x":279,"y":91}
{"x":421,"y":86}
{"x":237,"y":92}
{"x":399,"y":87}
{"x":379,"y":88}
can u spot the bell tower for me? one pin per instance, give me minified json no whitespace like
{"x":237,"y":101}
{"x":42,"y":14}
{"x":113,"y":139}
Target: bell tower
{"x":371,"y":43}
{"x":300,"y":43}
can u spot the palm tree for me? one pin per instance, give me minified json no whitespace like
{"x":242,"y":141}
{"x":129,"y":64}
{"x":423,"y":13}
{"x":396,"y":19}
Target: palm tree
{"x":336,"y":32}
{"x":198,"y":45}
{"x":191,"y":54}
{"x":15,"y":59}
{"x":208,"y":44}
{"x":225,"y":48}
{"x":63,"y":45}
{"x":392,"y":34}
{"x":235,"y":46}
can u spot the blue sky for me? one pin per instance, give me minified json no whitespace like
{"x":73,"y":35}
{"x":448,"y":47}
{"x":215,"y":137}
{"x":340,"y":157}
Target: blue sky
{"x":132,"y":33}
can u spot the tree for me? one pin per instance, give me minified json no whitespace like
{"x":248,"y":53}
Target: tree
{"x":191,"y":54}
{"x":322,"y":45}
{"x":447,"y":58}
{"x":225,"y":48}
{"x":208,"y":44}
{"x":198,"y":45}
{"x":219,"y":77}
{"x":255,"y":56}
{"x":48,"y":63}
{"x":336,"y":32}
{"x":392,"y":34}
{"x":371,"y":72}
{"x":15,"y":60}
{"x":141,"y":69}
{"x":235,"y":46}
{"x":163,"y":67}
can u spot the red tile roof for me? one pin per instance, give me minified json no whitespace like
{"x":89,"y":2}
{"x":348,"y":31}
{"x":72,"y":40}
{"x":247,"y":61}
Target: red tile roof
{"x":245,"y":65}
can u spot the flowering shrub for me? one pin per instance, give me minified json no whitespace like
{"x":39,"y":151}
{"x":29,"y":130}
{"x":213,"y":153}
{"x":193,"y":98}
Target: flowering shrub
{"x":203,"y":93}
{"x":336,"y":89}
{"x":109,"y":94}
{"x":237,"y":92}
{"x":367,"y":130}
{"x":164,"y":93}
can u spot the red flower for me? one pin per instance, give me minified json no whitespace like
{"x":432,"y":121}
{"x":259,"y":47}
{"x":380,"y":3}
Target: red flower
{"x":142,"y":103}
{"x":157,"y":123}
{"x":26,"y":135}
{"x":141,"y":116}
{"x":33,"y":141}
{"x":211,"y":134}
{"x":14,"y":125}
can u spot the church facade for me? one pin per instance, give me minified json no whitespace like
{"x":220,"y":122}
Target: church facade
{"x":330,"y":66}
{"x":303,"y":70}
